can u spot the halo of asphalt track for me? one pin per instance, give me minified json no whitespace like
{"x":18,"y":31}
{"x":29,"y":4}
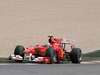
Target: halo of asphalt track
{"x":49,"y":69}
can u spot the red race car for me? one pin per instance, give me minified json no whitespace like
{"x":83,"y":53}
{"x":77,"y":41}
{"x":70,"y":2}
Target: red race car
{"x":55,"y":52}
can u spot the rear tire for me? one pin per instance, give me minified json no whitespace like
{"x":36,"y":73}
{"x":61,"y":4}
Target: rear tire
{"x":75,"y":55}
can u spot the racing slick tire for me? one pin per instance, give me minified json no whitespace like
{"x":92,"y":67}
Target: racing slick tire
{"x":75,"y":55}
{"x":19,"y":50}
{"x":51,"y":53}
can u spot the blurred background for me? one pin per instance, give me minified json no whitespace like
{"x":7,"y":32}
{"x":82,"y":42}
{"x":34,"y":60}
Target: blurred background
{"x":28,"y":22}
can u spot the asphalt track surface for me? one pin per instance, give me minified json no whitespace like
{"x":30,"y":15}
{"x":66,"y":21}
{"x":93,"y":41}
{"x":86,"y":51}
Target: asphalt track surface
{"x":50,"y":69}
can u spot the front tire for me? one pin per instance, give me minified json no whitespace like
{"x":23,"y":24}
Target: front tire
{"x":19,"y":50}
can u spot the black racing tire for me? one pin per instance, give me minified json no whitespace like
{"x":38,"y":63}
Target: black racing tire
{"x":51,"y":53}
{"x":19,"y":50}
{"x":75,"y":55}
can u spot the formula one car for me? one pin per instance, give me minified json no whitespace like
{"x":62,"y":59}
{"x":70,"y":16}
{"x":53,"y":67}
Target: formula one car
{"x":47,"y":54}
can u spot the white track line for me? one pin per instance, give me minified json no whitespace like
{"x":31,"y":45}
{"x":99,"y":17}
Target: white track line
{"x":91,"y":62}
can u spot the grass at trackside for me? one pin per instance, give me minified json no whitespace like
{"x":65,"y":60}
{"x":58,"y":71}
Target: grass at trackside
{"x":4,"y":60}
{"x":95,"y":55}
{"x":85,"y":57}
